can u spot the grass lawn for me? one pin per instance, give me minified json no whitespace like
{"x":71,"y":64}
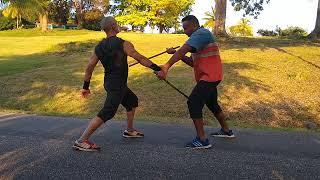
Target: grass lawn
{"x":268,"y":83}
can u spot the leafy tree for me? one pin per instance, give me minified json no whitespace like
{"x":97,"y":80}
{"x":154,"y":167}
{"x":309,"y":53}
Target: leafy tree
{"x":92,"y":20}
{"x":250,"y":7}
{"x":162,"y":13}
{"x":18,"y":9}
{"x":242,"y":29}
{"x":209,"y":18}
{"x":83,"y":6}
{"x":165,"y":13}
{"x":28,"y":9}
{"x":59,"y":11}
{"x":6,"y":23}
{"x":133,"y":12}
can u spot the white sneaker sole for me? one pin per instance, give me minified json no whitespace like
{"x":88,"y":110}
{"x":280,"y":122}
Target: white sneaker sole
{"x":224,"y":136}
{"x":202,"y":147}
{"x":127,"y":136}
{"x":84,"y":149}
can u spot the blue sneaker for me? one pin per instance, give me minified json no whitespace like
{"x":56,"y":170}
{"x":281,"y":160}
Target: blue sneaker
{"x":223,"y":134}
{"x":198,"y":144}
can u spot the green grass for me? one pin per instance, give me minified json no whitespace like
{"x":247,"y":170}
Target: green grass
{"x":268,"y":83}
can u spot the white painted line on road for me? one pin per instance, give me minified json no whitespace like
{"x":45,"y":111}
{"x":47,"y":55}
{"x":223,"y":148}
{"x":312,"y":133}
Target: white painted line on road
{"x":13,"y":117}
{"x":6,"y":114}
{"x":317,"y":141}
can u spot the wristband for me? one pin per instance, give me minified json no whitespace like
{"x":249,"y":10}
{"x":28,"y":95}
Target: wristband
{"x":155,"y":67}
{"x":86,"y":85}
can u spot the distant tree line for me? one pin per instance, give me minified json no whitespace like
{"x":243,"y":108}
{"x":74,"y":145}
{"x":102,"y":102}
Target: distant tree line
{"x":161,"y":14}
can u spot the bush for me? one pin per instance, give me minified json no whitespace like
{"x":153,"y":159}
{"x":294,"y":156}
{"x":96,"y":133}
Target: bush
{"x":290,"y":32}
{"x":7,"y":23}
{"x":243,"y":28}
{"x":265,"y":32}
{"x":94,"y":27}
{"x":293,"y":32}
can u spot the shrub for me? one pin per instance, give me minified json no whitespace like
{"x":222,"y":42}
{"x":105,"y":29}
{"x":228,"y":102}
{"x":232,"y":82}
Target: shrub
{"x":7,"y":23}
{"x":293,"y":32}
{"x":265,"y":32}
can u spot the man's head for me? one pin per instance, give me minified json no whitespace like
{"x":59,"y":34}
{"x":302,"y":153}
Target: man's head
{"x":190,"y":24}
{"x":109,"y":24}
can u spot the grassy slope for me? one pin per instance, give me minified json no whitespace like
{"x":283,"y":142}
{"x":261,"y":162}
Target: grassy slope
{"x":268,"y":82}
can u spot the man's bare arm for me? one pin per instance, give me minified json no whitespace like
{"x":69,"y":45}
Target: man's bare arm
{"x":90,"y":67}
{"x":132,"y":52}
{"x":188,"y":60}
{"x":179,"y":55}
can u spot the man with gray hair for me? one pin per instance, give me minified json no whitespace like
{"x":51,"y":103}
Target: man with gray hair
{"x":112,"y":53}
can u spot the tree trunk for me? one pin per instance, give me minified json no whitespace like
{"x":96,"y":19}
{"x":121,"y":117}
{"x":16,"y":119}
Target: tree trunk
{"x":161,"y":28}
{"x":316,"y":32}
{"x":44,"y":25}
{"x":79,"y":13}
{"x":40,"y":21}
{"x":18,"y":22}
{"x":220,"y":15}
{"x":141,"y":28}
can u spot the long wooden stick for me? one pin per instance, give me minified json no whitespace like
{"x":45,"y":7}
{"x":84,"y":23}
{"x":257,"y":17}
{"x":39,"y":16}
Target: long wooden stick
{"x":152,"y":56}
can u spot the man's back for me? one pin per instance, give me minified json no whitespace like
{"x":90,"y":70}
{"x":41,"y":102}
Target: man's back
{"x":114,"y":60}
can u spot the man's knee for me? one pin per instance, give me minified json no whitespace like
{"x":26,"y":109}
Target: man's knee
{"x":195,"y":108}
{"x":106,"y":115}
{"x":215,"y":109}
{"x":131,"y":103}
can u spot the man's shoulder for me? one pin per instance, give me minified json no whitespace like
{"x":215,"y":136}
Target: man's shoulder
{"x":202,"y":31}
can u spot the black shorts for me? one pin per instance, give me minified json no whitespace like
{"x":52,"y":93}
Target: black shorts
{"x":204,"y":93}
{"x":123,"y":96}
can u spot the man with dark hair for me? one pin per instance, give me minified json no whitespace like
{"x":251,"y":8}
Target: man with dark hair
{"x":208,"y":73}
{"x":112,"y":53}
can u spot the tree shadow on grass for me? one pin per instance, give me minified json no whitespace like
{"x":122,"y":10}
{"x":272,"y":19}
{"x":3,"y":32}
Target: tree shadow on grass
{"x":282,"y":112}
{"x":232,"y":77}
{"x":158,"y":98}
{"x":10,"y":65}
{"x":56,"y":77}
{"x":298,"y":57}
{"x":263,"y":44}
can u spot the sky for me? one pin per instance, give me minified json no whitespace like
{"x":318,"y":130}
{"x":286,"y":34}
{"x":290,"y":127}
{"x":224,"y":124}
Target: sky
{"x":283,"y":13}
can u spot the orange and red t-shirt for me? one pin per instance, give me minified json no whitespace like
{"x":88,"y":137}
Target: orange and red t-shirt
{"x":206,"y":58}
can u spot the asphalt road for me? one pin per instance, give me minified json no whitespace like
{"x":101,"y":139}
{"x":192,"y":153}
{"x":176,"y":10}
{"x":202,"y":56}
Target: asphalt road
{"x":38,"y":147}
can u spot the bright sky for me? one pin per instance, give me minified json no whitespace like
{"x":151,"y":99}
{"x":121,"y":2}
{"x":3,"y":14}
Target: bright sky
{"x":283,"y":13}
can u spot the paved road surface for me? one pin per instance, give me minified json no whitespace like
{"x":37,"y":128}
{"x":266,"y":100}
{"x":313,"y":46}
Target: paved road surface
{"x":38,"y":147}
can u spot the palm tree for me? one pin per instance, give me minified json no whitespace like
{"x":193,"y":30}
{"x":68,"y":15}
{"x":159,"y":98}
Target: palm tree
{"x":209,"y":18}
{"x":17,"y":9}
{"x":42,"y":9}
{"x":243,"y":28}
{"x":27,"y":9}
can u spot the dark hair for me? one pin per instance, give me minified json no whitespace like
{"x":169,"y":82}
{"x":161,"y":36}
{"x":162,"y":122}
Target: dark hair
{"x":192,"y":19}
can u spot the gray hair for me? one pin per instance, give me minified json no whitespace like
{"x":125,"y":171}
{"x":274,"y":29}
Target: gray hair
{"x":106,"y":23}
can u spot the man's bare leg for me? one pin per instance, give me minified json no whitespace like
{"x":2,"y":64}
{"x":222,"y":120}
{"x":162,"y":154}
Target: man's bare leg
{"x":222,"y":121}
{"x":131,"y":132}
{"x":94,"y":124}
{"x":198,"y":124}
{"x":130,"y":117}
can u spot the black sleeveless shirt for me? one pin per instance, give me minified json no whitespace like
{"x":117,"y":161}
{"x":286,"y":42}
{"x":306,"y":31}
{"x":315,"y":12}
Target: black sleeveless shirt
{"x":114,"y":60}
